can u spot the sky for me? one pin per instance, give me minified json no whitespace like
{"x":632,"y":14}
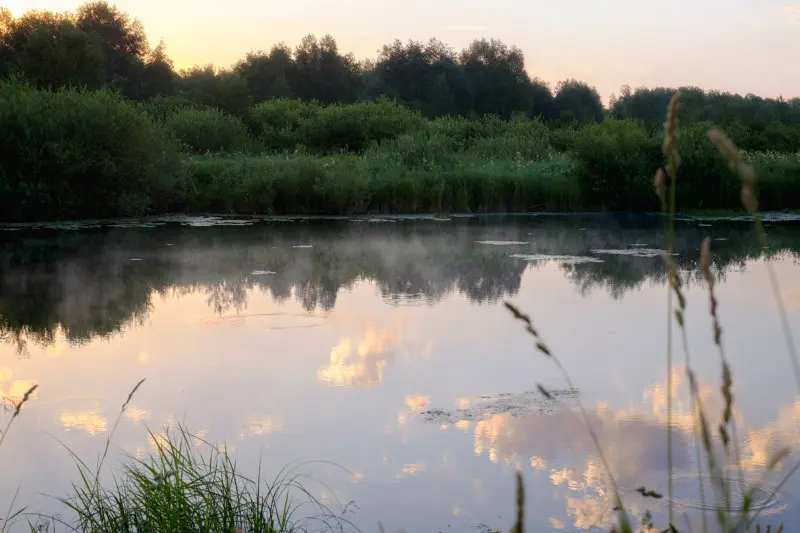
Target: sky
{"x":741,"y":46}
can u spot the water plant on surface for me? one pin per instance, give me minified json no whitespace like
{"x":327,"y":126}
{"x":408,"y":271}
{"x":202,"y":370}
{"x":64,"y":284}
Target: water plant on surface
{"x":728,"y":518}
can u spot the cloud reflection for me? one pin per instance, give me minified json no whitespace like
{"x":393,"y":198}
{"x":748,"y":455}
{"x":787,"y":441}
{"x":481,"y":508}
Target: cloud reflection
{"x":634,"y":443}
{"x":361,"y":361}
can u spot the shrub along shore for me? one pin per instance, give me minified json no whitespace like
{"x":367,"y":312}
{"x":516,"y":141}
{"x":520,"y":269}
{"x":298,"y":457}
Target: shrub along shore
{"x":70,"y":154}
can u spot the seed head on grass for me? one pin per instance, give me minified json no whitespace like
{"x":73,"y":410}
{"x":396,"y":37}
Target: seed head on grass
{"x":660,"y":185}
{"x":16,"y":407}
{"x":624,"y":520}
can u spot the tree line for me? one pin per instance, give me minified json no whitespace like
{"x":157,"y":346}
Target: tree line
{"x":100,"y":46}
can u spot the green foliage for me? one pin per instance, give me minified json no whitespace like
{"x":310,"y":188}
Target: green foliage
{"x":181,"y":487}
{"x":60,"y":56}
{"x":212,"y":87}
{"x":577,"y":102}
{"x":380,"y":183}
{"x":291,"y":124}
{"x":616,"y":161}
{"x":208,"y":130}
{"x":78,"y":154}
{"x":279,"y":123}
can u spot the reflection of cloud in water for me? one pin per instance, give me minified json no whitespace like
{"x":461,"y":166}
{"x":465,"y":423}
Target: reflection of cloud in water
{"x":89,"y":421}
{"x":12,"y":390}
{"x":136,"y":415}
{"x":633,"y":440}
{"x":361,"y":362}
{"x":417,"y":402}
{"x":412,"y":469}
{"x":265,"y":426}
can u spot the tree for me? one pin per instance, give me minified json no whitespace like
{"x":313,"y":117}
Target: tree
{"x":267,"y":75}
{"x":322,"y":73}
{"x":222,"y":89}
{"x":576,"y":101}
{"x":500,"y":85}
{"x":122,"y":40}
{"x":6,"y":26}
{"x":541,"y":100}
{"x":60,"y":56}
{"x":423,"y":76}
{"x":153,"y":77}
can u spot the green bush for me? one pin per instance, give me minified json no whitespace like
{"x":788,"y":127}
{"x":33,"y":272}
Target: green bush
{"x":161,"y":106}
{"x":81,"y":154}
{"x":354,"y":127}
{"x":778,"y":179}
{"x":616,"y":162}
{"x":208,"y":130}
{"x":279,"y":124}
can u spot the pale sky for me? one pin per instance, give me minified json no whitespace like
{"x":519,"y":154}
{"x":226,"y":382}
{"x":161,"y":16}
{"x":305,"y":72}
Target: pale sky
{"x":743,"y":46}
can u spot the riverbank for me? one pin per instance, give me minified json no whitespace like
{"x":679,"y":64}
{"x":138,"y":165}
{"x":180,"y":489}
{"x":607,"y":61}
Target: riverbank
{"x":90,"y":154}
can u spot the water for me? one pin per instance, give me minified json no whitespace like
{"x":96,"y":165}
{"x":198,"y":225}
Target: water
{"x":379,"y":349}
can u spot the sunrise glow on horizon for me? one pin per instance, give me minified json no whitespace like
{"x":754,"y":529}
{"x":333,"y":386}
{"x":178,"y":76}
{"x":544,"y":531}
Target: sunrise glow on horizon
{"x":732,"y":45}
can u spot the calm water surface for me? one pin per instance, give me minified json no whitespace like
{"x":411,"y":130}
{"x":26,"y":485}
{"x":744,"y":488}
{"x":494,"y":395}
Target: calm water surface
{"x":382,"y":346}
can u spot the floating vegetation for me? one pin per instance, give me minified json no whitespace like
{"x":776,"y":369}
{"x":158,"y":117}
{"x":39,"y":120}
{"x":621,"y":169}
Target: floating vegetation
{"x":503,"y":243}
{"x":563,"y":259}
{"x":516,"y":405}
{"x":632,"y":252}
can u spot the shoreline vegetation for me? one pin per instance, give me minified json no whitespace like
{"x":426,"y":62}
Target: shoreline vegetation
{"x":312,"y":131}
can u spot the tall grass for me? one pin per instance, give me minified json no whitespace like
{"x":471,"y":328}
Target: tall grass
{"x":189,"y":484}
{"x":729,"y":520}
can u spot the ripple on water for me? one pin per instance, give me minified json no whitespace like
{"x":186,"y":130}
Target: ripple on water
{"x":686,"y":492}
{"x":502,"y":243}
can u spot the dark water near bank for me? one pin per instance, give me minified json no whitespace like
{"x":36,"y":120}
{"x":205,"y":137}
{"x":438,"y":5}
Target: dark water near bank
{"x":382,"y":346}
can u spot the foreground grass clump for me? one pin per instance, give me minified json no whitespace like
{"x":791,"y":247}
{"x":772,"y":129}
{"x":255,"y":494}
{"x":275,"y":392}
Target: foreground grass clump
{"x":191,"y":485}
{"x":81,"y":154}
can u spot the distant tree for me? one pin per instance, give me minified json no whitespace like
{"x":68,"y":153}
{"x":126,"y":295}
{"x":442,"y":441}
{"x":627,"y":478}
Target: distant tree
{"x":54,"y":57}
{"x":498,"y":80}
{"x":423,"y":76}
{"x":222,"y":89}
{"x":267,"y":75}
{"x":6,"y":27}
{"x":155,"y":76}
{"x":122,"y":40}
{"x":542,"y":104}
{"x":322,"y":73}
{"x":576,"y":101}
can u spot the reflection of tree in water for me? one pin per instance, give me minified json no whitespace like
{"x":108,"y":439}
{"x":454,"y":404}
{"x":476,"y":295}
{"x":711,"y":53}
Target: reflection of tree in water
{"x":96,"y":282}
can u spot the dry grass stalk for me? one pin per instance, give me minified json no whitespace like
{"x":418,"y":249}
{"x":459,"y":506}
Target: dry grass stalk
{"x":16,"y":408}
{"x":519,"y":526}
{"x":670,"y":149}
{"x":624,"y":520}
{"x":747,"y":176}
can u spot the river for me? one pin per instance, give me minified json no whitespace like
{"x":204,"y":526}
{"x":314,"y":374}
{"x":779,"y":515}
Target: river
{"x":375,"y":355}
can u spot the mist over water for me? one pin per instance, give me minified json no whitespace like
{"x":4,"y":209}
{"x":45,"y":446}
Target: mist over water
{"x":381,"y":345}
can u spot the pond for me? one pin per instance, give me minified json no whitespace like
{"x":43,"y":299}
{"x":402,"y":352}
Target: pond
{"x":376,"y":356}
